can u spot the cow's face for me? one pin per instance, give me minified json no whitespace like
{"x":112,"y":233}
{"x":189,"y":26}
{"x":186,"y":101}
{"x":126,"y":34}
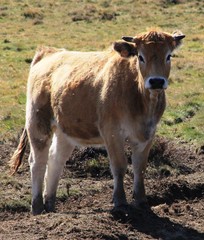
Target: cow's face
{"x":153,"y":51}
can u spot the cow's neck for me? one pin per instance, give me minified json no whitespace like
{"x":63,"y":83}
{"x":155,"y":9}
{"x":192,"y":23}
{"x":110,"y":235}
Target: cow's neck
{"x":152,"y":114}
{"x":155,"y":105}
{"x":153,"y":101}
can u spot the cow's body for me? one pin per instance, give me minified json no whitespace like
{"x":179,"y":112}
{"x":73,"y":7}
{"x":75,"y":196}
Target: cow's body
{"x":94,"y":98}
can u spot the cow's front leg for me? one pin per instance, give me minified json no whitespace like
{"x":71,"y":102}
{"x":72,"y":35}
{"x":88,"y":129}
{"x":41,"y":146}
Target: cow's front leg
{"x":118,"y":164}
{"x":119,"y":197}
{"x":139,"y":162}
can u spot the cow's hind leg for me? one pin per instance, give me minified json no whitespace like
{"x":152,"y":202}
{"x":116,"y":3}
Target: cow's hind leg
{"x":38,"y":160}
{"x":60,"y":152}
{"x":38,"y":127}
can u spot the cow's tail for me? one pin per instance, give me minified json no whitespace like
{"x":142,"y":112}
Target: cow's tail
{"x":17,"y":157}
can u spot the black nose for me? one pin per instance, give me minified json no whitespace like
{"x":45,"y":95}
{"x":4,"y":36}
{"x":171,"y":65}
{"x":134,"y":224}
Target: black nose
{"x":156,"y":83}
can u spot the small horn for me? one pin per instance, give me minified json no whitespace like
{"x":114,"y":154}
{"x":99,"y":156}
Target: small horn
{"x":177,"y":35}
{"x":128,"y":39}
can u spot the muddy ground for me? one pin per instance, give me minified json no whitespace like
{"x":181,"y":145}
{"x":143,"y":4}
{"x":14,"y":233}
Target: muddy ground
{"x":174,"y":186}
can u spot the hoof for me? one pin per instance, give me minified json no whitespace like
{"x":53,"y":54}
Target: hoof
{"x":122,"y":213}
{"x":49,"y":207}
{"x":140,"y":205}
{"x":37,"y":211}
{"x":50,"y":204}
{"x":37,"y":206}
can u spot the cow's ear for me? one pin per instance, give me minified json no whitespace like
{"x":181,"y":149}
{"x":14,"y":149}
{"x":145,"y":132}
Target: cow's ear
{"x":125,"y":49}
{"x":177,"y":36}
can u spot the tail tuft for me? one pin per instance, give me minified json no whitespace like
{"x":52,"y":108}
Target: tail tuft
{"x":17,"y":157}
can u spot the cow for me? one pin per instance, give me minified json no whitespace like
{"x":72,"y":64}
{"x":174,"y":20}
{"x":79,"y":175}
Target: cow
{"x":108,"y":98}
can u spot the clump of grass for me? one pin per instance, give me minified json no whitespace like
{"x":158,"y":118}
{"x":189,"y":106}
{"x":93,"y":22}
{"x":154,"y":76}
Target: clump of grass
{"x":15,"y":206}
{"x":28,"y":60}
{"x":3,"y":11}
{"x":87,"y":14}
{"x":105,"y":4}
{"x":162,"y":171}
{"x":90,"y":13}
{"x":11,"y":183}
{"x":108,"y":16}
{"x":97,"y":166}
{"x":33,"y":13}
{"x":182,"y":114}
{"x":62,"y":195}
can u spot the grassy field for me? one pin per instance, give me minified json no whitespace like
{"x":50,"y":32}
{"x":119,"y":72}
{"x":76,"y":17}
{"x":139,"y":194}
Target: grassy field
{"x":93,"y":25}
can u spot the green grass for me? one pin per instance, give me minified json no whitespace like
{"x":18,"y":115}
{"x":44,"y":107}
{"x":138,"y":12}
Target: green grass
{"x":94,"y":25}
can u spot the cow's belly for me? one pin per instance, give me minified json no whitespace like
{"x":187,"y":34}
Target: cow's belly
{"x":79,"y":134}
{"x":80,"y":130}
{"x":78,"y":122}
{"x":96,"y":142}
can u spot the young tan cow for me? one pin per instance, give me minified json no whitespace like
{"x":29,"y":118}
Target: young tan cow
{"x":95,"y":98}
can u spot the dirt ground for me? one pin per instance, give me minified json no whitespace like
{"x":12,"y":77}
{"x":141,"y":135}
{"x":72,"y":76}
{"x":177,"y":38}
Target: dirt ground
{"x":174,"y":186}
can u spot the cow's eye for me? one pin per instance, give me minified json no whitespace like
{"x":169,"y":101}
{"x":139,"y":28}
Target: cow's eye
{"x":141,"y":59}
{"x":168,"y":58}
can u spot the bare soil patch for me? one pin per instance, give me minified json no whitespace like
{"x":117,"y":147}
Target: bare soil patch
{"x":174,"y":185}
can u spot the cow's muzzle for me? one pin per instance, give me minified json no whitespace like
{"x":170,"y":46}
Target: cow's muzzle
{"x":156,"y":83}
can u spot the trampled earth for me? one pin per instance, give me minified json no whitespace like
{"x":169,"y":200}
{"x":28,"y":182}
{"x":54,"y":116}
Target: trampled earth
{"x":174,"y":186}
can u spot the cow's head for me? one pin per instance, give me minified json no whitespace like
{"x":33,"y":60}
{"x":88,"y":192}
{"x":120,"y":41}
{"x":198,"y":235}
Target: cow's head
{"x":153,"y":50}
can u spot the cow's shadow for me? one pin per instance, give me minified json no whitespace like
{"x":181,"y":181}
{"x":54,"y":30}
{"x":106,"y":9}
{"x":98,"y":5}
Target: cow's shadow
{"x":147,"y":222}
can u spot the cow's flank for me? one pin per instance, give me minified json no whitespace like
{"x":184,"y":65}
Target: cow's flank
{"x":95,"y":98}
